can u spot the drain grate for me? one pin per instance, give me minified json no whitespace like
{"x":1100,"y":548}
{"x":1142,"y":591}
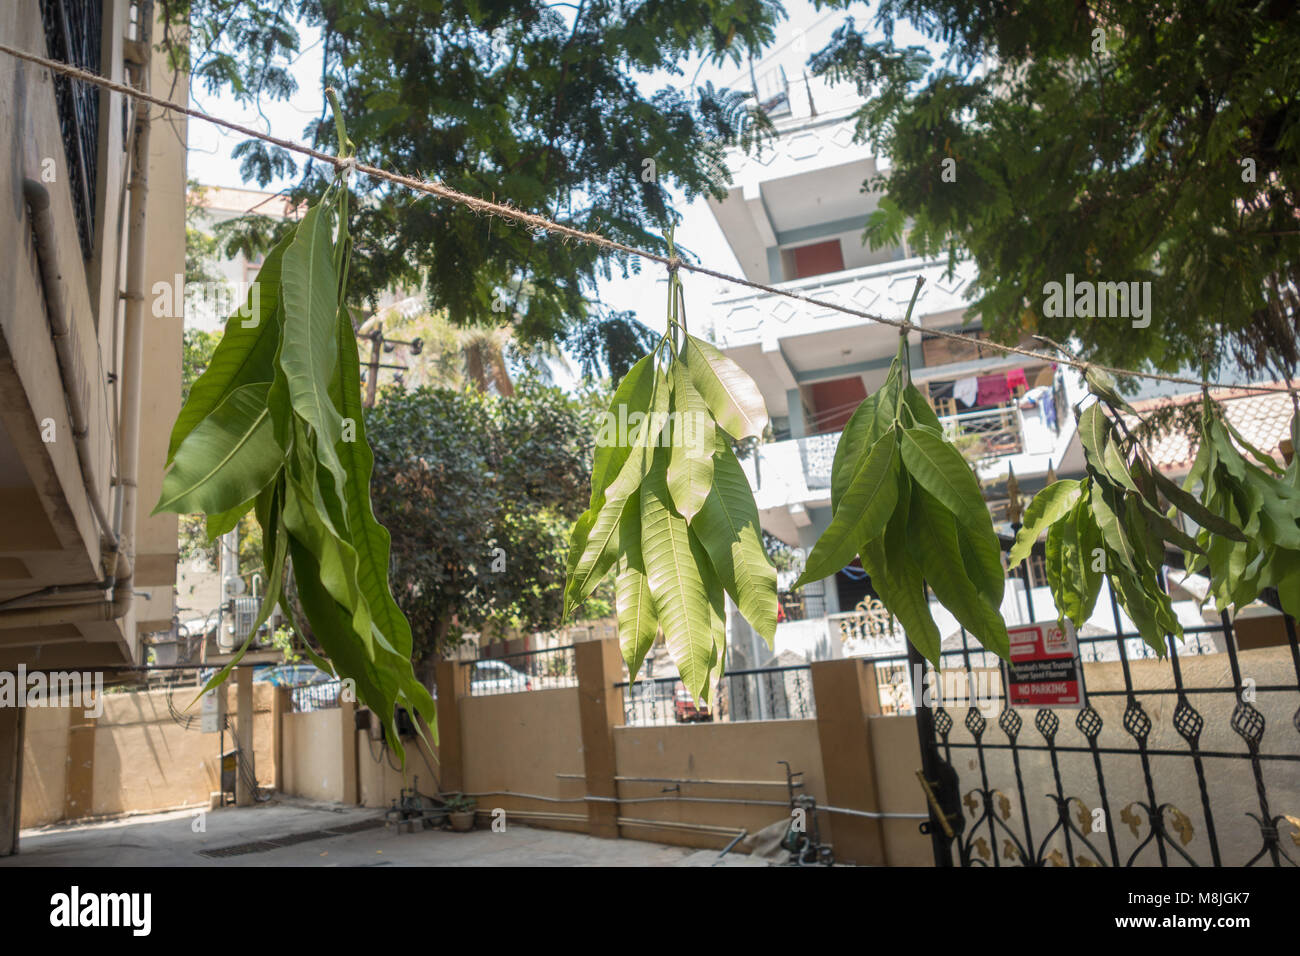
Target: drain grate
{"x":293,"y":839}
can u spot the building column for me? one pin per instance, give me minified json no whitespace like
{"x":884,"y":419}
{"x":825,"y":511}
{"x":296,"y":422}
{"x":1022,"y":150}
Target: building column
{"x":12,"y":725}
{"x":453,"y":684}
{"x":846,"y":695}
{"x":245,"y":770}
{"x":599,"y":667}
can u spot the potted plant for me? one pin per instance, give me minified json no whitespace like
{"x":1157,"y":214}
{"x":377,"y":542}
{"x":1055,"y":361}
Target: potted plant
{"x":460,"y":812}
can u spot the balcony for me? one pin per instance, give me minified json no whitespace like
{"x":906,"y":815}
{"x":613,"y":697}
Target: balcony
{"x":884,"y":288}
{"x":798,"y":470}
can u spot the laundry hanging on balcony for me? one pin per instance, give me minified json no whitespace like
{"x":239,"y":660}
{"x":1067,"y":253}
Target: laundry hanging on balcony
{"x":965,"y":390}
{"x":992,"y":389}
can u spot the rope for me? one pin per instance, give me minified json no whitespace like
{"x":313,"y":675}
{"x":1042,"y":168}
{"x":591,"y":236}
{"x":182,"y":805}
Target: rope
{"x":541,"y":223}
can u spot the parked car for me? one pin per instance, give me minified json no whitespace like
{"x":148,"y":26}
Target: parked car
{"x":685,"y":709}
{"x":497,"y":677}
{"x":293,"y":675}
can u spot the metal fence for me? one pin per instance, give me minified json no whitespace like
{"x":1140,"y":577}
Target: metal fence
{"x":516,"y":673}
{"x":311,"y":697}
{"x":773,"y":693}
{"x":1154,"y":769}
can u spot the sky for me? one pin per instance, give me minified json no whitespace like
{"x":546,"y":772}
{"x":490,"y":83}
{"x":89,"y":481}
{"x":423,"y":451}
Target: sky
{"x":211,"y":164}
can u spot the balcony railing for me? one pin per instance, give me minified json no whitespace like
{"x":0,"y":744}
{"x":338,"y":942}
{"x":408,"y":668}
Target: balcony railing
{"x":73,"y":32}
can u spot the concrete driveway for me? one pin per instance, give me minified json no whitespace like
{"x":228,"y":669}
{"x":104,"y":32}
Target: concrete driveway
{"x":287,"y":832}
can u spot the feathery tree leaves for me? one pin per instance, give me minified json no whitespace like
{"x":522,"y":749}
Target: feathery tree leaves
{"x":539,"y":103}
{"x":1123,"y":143}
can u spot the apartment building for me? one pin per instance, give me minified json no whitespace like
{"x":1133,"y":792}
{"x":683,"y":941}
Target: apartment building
{"x":794,"y":217}
{"x":89,"y":367}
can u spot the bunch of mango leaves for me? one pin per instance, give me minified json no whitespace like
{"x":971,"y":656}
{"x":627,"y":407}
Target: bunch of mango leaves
{"x":1120,"y":521}
{"x":275,"y":424}
{"x":671,"y":511}
{"x":906,"y":501}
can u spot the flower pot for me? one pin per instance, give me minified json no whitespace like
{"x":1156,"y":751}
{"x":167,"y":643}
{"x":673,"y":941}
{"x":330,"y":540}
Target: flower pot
{"x":462,"y":821}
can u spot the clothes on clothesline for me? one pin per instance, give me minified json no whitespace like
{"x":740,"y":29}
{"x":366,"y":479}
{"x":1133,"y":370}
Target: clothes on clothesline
{"x":965,"y":390}
{"x":1016,"y":377}
{"x":992,"y":389}
{"x":941,"y":390}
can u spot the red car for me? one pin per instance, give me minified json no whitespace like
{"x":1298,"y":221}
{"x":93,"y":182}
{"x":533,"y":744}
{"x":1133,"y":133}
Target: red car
{"x":685,"y":709}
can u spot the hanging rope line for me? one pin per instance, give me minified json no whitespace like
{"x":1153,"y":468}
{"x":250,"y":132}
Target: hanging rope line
{"x":541,"y":223}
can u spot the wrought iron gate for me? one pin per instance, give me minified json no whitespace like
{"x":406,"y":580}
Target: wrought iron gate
{"x":1190,"y":761}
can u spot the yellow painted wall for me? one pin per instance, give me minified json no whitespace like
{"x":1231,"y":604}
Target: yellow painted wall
{"x":142,"y":760}
{"x":520,"y":742}
{"x":722,"y":751}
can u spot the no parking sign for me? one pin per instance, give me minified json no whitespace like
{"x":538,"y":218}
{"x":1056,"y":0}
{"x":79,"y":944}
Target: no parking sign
{"x":1044,"y":670}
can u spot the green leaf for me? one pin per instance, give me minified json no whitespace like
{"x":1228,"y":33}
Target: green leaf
{"x":1112,"y":531}
{"x":1190,"y":506}
{"x":599,"y":548}
{"x":728,"y":390}
{"x":637,"y":623}
{"x":226,"y":521}
{"x":1047,"y":507}
{"x":921,"y":411}
{"x":1088,"y":536}
{"x":728,"y":527}
{"x":245,"y":353}
{"x":680,"y":600}
{"x":309,"y":352}
{"x":614,"y":441}
{"x":690,"y":463}
{"x":940,"y":469}
{"x":935,"y":544}
{"x":897,"y":581}
{"x":370,"y":539}
{"x":226,"y":459}
{"x":862,"y":515}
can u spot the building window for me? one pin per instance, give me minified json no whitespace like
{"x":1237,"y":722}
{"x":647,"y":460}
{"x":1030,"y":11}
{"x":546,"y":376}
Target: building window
{"x":817,"y":259}
{"x":72,"y":36}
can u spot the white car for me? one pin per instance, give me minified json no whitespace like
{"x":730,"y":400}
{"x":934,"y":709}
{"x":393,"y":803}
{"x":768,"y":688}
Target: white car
{"x":497,"y":677}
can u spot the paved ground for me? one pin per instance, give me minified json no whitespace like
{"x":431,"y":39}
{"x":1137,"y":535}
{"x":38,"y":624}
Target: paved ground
{"x":178,"y":838}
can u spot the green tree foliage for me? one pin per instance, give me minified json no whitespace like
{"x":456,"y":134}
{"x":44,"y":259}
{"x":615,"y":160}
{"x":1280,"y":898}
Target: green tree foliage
{"x":461,"y":474}
{"x":1118,"y":142}
{"x":542,"y":104}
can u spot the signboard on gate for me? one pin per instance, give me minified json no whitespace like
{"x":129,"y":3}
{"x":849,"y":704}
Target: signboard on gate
{"x":1044,"y":670}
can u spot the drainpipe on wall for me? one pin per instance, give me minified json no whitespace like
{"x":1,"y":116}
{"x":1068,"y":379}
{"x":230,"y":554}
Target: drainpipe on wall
{"x":133,"y":326}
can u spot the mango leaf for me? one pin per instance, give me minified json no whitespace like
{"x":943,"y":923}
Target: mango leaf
{"x":245,"y":352}
{"x":921,"y":411}
{"x":690,"y":463}
{"x":983,"y":556}
{"x":218,"y":524}
{"x":1112,"y":530}
{"x":717,"y":617}
{"x":940,"y":469}
{"x":637,"y":624}
{"x":1189,"y":505}
{"x":863,"y":512}
{"x":370,"y":539}
{"x":897,"y":581}
{"x":309,"y":352}
{"x":1089,"y":577}
{"x":226,"y":459}
{"x":1048,"y":506}
{"x":938,"y":554}
{"x":729,"y":392}
{"x":681,"y":602}
{"x":729,"y":529}
{"x":614,"y":441}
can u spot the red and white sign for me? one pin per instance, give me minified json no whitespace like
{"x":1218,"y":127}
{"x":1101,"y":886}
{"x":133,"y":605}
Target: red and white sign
{"x":1044,"y":667}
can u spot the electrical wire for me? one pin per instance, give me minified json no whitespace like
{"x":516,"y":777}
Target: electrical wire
{"x":541,"y":224}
